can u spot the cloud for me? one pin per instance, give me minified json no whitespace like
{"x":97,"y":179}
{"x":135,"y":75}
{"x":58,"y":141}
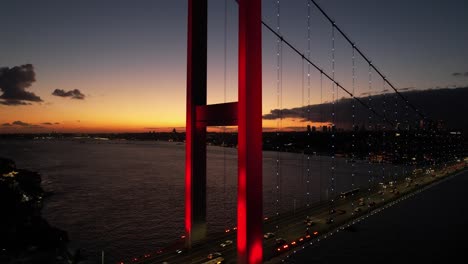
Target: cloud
{"x":47,"y":123}
{"x":14,"y":102}
{"x":406,"y":89}
{"x":21,"y":123}
{"x":446,"y":104}
{"x":57,"y":123}
{"x":460,"y":74}
{"x":14,"y":82}
{"x":298,"y":112}
{"x":73,"y":94}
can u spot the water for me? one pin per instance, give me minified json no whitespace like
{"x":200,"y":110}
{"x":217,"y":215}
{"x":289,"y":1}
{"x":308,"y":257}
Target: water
{"x":127,"y":197}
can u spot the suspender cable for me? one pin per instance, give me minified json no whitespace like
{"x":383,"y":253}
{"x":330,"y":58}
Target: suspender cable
{"x":369,"y":139}
{"x":279,"y":106}
{"x":384,"y":135}
{"x":322,"y":121}
{"x":353,"y":130}
{"x":396,"y":155}
{"x":308,"y":105}
{"x":224,"y":127}
{"x":333,"y":128}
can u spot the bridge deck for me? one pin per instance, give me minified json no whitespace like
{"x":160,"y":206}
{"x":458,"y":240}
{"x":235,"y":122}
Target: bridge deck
{"x":292,"y":226}
{"x":429,"y":228}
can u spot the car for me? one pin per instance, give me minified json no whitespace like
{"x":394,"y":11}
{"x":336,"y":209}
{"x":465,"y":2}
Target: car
{"x":214,"y":255}
{"x":268,"y":235}
{"x":357,"y":209}
{"x":282,"y":248}
{"x":179,"y":251}
{"x":341,"y":211}
{"x":330,"y":220}
{"x":281,"y":245}
{"x":280,"y":241}
{"x":226,"y":243}
{"x":371,"y":203}
{"x":217,"y":260}
{"x":310,"y":223}
{"x":332,"y":211}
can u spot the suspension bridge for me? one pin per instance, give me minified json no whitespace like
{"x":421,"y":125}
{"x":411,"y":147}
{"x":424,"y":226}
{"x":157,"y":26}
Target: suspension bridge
{"x":355,"y":134}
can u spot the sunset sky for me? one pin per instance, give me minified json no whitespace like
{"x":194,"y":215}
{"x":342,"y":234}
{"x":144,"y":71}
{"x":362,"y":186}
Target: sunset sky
{"x":127,"y":59}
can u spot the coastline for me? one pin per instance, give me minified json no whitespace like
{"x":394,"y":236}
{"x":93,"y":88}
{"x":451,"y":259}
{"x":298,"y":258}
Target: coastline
{"x":25,"y":236}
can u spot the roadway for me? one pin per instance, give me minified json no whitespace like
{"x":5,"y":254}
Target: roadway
{"x":293,"y":229}
{"x":429,"y":227}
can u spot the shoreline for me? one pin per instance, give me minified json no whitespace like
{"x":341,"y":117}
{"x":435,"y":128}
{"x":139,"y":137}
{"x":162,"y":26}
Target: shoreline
{"x":25,"y":236}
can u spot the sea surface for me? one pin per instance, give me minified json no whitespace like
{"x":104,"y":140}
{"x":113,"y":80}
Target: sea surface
{"x":126,"y":198}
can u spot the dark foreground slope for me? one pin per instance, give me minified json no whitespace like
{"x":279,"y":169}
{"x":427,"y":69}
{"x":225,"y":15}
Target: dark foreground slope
{"x":25,"y":237}
{"x":430,"y":227}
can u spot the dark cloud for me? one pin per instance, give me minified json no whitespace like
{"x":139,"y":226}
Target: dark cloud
{"x":57,"y":123}
{"x":406,"y":89}
{"x":47,"y":123}
{"x":6,"y":124}
{"x":14,"y":102}
{"x":73,"y":94}
{"x":366,"y":94}
{"x":21,"y":123}
{"x":298,"y":112}
{"x":460,"y":74}
{"x":438,"y":104}
{"x":14,"y":82}
{"x":25,"y":125}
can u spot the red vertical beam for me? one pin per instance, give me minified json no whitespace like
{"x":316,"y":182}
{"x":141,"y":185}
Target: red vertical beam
{"x":249,"y":204}
{"x":195,"y":152}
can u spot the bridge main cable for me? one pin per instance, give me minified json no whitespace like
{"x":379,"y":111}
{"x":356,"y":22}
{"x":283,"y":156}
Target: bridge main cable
{"x":325,"y":74}
{"x":360,"y":53}
{"x":367,"y":60}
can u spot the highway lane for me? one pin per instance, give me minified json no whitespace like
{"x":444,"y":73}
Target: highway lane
{"x":291,"y":226}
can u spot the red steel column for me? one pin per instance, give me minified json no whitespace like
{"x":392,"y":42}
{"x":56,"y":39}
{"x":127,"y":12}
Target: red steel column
{"x":195,"y":152}
{"x":249,"y":197}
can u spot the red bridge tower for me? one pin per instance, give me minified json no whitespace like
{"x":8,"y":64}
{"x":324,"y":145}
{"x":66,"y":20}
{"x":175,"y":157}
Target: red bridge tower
{"x":246,"y":114}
